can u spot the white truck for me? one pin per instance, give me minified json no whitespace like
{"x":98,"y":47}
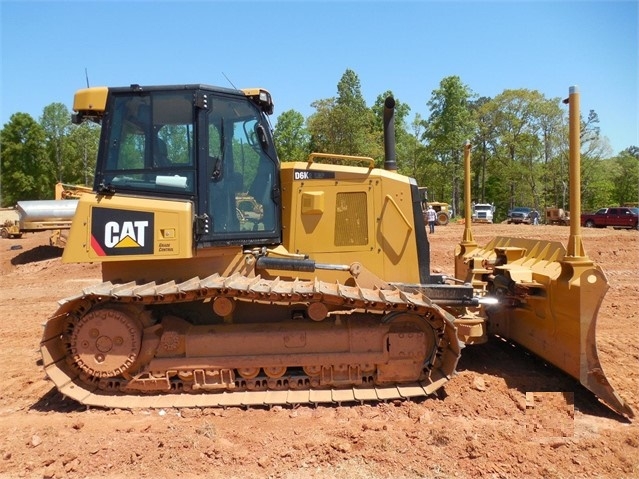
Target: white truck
{"x":482,"y":212}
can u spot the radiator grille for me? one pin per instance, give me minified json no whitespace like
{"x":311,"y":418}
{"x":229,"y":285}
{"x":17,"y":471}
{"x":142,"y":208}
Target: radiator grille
{"x":351,"y":219}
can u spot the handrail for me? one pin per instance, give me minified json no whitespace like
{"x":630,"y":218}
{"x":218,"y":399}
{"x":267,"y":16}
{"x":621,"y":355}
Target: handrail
{"x":367,"y":159}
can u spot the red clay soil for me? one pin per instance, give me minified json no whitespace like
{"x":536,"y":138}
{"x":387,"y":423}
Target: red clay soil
{"x":505,"y":415}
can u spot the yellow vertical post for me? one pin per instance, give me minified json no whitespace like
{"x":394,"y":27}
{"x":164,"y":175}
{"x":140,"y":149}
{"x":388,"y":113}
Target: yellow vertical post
{"x":467,"y":244}
{"x":468,"y":233}
{"x":575,"y":246}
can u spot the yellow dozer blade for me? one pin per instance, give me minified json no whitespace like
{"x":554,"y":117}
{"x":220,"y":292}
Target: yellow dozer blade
{"x":546,"y":302}
{"x":545,"y":297}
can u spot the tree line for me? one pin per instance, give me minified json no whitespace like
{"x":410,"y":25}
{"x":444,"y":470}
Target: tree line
{"x":35,"y":155}
{"x":519,"y":139}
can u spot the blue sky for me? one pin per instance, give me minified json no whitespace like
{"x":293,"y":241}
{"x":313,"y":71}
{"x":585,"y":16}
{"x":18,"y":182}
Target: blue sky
{"x":300,"y":50}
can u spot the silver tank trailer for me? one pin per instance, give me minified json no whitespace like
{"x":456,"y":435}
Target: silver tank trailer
{"x":46,"y":214}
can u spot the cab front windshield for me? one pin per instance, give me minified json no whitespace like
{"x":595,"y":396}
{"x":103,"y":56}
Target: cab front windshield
{"x":151,"y":143}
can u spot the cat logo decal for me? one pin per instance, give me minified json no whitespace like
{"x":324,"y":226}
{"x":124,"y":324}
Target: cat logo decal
{"x":121,"y":232}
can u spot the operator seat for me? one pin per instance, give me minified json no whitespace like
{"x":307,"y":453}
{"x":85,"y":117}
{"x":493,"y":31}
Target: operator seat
{"x":160,"y":154}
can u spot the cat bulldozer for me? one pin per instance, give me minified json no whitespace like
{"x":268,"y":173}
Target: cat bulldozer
{"x":317,"y":290}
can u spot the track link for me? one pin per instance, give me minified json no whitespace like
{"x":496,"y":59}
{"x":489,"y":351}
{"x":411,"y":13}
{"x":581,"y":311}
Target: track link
{"x":64,"y":365}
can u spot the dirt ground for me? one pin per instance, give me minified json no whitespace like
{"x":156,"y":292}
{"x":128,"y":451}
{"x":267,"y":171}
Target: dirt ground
{"x":505,"y":415}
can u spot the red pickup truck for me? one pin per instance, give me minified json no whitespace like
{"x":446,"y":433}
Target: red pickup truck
{"x":620,"y":217}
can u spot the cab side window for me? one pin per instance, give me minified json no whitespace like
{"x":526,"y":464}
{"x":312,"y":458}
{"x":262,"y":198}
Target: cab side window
{"x":241,"y":174}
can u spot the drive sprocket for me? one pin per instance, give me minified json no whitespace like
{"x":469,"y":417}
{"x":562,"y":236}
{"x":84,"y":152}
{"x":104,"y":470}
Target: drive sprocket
{"x":105,"y":342}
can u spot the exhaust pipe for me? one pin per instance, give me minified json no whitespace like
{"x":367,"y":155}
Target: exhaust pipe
{"x":389,"y":134}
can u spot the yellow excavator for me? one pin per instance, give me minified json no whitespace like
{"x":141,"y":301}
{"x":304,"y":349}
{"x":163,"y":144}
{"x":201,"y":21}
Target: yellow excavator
{"x":231,"y":279}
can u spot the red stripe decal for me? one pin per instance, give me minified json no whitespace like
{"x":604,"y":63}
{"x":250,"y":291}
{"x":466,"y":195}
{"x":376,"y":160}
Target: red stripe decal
{"x":96,"y":247}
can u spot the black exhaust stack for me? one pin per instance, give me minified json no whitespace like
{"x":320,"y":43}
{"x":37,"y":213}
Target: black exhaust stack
{"x":389,"y":134}
{"x":423,"y":247}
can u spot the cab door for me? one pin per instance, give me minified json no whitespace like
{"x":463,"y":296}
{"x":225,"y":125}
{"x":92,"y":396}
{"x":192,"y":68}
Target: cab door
{"x":240,"y":176}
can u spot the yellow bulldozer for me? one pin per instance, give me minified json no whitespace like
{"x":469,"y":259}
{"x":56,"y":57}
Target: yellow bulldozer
{"x":319,"y":290}
{"x":10,"y":229}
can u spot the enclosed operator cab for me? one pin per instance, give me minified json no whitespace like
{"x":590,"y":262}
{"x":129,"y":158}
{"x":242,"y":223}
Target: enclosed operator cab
{"x":206,"y":149}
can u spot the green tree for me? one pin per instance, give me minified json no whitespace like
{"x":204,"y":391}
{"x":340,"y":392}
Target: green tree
{"x":522,"y":123}
{"x":416,"y":151}
{"x":626,"y":177}
{"x":323,"y":128}
{"x":449,"y":125}
{"x":349,"y":92}
{"x":343,"y":124}
{"x":82,"y":151}
{"x":27,"y":173}
{"x":291,"y":137}
{"x":483,"y":145}
{"x":56,"y":123}
{"x":597,"y":187}
{"x":550,"y":129}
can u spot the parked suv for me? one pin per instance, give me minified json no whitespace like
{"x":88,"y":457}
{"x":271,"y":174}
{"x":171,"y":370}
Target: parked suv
{"x":520,"y":214}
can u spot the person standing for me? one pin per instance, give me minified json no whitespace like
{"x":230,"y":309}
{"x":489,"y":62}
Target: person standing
{"x":535,"y":217}
{"x":432,"y":217}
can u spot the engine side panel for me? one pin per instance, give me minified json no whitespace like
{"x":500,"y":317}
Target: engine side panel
{"x":338,"y":214}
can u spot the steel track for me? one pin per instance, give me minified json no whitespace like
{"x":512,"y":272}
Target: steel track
{"x":72,"y":383}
